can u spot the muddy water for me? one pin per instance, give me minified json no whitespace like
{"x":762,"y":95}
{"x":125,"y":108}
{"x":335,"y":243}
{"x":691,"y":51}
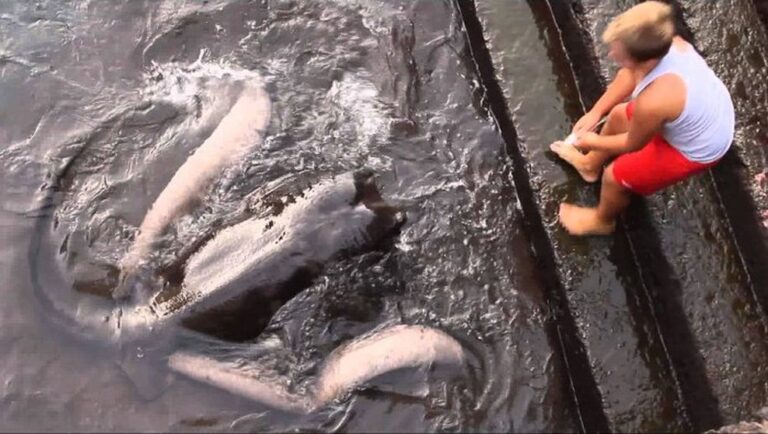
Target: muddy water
{"x":104,"y":100}
{"x":626,"y":356}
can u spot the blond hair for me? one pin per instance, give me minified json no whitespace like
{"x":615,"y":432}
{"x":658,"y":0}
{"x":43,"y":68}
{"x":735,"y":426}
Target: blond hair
{"x":646,"y":30}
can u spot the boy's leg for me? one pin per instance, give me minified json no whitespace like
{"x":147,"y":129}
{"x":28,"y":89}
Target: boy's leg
{"x":614,"y":198}
{"x":590,"y":164}
{"x":654,"y":167}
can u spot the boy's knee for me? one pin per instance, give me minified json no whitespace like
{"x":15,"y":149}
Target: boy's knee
{"x":608,"y":174}
{"x":618,"y":112}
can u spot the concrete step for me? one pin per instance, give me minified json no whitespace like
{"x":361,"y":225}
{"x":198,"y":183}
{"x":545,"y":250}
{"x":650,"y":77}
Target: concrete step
{"x":702,"y":272}
{"x":599,"y":286}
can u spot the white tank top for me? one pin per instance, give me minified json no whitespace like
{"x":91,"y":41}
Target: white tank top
{"x":704,"y":130}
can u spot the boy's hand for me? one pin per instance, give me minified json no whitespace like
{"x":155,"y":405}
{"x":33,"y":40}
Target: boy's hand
{"x":586,"y":123}
{"x":586,"y":141}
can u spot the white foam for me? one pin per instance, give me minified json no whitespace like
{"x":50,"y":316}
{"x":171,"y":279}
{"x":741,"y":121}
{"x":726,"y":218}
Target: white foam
{"x":180,"y":83}
{"x":359,"y":99}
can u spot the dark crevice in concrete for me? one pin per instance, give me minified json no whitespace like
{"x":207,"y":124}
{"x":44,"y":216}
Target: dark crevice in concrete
{"x":762,"y":10}
{"x":587,"y":400}
{"x":660,"y":295}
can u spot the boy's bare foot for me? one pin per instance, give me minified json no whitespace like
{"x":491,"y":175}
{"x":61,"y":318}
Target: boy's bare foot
{"x":575,"y":158}
{"x":578,"y":220}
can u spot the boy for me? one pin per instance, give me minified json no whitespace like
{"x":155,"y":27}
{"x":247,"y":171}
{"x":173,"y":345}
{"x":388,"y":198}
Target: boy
{"x":678,"y":122}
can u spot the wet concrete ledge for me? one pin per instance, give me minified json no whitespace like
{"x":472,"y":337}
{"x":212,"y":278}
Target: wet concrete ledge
{"x":720,"y":199}
{"x":628,"y":355}
{"x":660,"y":293}
{"x":631,"y":327}
{"x":704,"y":341}
{"x":562,"y":327}
{"x":643,"y":240}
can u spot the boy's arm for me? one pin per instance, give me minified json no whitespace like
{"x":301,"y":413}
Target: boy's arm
{"x":660,"y":102}
{"x":619,"y":89}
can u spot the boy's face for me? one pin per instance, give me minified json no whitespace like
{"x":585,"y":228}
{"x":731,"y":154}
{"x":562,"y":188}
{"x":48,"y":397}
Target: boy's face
{"x":618,"y":52}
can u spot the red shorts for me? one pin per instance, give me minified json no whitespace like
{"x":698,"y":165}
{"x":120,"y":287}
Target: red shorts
{"x":655,"y":166}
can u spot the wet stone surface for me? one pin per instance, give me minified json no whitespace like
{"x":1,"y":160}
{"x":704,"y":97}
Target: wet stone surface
{"x":707,"y":264}
{"x":626,"y":360}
